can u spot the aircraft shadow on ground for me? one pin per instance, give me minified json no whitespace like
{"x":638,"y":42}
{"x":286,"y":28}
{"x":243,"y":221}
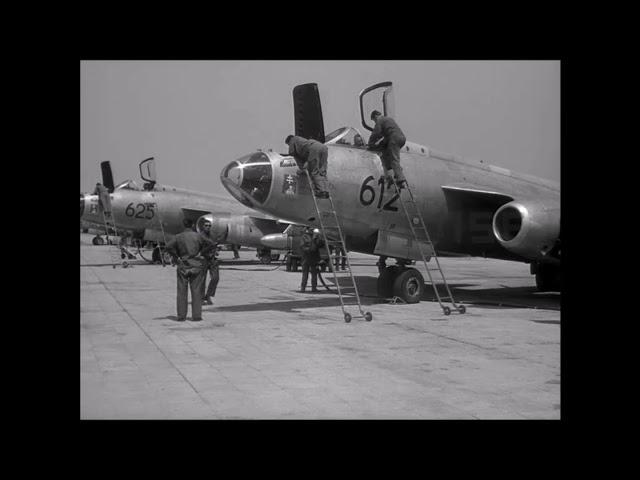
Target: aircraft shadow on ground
{"x":506,"y":297}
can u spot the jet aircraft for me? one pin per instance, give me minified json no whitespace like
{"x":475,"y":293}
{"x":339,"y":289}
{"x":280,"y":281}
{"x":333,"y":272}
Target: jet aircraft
{"x":469,"y":207}
{"x":155,"y":212}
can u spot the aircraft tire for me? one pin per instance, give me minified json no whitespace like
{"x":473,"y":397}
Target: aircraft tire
{"x":409,"y":285}
{"x":265,"y":259}
{"x":385,"y":281}
{"x":548,"y":278}
{"x":97,"y":241}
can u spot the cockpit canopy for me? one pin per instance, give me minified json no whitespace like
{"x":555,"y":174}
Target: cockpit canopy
{"x":251,"y":174}
{"x":345,"y":136}
{"x":128,"y":185}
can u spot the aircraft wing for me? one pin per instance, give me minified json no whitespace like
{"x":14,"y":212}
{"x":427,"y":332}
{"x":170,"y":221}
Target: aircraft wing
{"x":473,"y":193}
{"x":194,"y":213}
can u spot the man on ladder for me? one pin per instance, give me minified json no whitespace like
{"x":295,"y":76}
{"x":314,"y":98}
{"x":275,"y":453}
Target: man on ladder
{"x":392,"y":141}
{"x":311,"y":155}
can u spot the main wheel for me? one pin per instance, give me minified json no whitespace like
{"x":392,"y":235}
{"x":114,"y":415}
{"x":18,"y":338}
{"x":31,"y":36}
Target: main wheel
{"x":385,"y":281}
{"x":368,"y":317}
{"x":97,"y":241}
{"x":265,"y":259}
{"x":409,"y":285}
{"x":347,"y":317}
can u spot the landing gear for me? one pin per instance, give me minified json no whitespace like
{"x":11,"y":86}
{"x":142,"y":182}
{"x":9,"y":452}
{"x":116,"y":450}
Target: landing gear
{"x":409,"y":285}
{"x":264,"y":255}
{"x":275,"y":257}
{"x":97,"y":240}
{"x":265,"y":259}
{"x":385,"y":281}
{"x":288,"y":262}
{"x":548,"y":277}
{"x":155,"y":256}
{"x":402,"y":282}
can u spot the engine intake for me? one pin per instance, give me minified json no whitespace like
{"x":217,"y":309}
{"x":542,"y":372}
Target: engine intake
{"x":529,"y":229}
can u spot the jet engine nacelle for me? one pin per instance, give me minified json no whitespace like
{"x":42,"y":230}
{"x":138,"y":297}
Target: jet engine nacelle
{"x":529,"y":229}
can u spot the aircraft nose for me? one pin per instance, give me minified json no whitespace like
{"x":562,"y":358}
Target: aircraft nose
{"x":233,"y":173}
{"x":249,"y":178}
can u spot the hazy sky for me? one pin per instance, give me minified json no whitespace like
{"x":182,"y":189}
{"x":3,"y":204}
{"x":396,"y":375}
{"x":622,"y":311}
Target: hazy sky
{"x":194,"y":117}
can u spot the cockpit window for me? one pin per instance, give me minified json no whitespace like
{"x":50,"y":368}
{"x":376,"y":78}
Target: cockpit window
{"x":128,"y":185}
{"x":345,"y":136}
{"x":253,"y":174}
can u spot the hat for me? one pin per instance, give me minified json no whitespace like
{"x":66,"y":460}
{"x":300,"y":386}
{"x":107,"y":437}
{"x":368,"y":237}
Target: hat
{"x":374,"y":113}
{"x":315,"y":230}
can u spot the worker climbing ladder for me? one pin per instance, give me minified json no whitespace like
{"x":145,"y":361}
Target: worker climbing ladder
{"x":332,"y":236}
{"x":117,"y":255}
{"x":161,"y":246}
{"x":421,"y":235}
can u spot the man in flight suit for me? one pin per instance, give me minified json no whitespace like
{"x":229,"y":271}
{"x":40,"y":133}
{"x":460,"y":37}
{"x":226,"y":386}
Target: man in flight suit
{"x":311,"y":245}
{"x":212,"y":267}
{"x":188,"y":249}
{"x":311,"y":155}
{"x":393,"y":140}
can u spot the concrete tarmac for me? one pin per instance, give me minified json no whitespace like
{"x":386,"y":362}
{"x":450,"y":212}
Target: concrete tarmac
{"x":264,"y":351}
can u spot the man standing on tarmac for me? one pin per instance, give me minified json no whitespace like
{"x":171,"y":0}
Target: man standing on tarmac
{"x":311,"y":155}
{"x":212,"y":267}
{"x":311,"y":245}
{"x":188,"y":250}
{"x":393,"y":140}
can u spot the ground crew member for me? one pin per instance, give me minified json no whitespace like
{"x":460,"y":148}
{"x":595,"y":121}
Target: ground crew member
{"x":103,"y":197}
{"x":311,"y":155}
{"x":393,"y":140}
{"x":187,"y":249}
{"x":212,"y":267}
{"x":311,"y":244}
{"x":339,"y":251}
{"x":235,"y":247}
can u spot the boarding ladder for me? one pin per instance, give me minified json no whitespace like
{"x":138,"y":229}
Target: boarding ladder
{"x":422,"y":239}
{"x":332,"y":236}
{"x":161,"y":247}
{"x":118,"y":256}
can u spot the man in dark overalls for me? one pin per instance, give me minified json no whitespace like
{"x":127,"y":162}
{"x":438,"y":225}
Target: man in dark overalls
{"x":104,"y":198}
{"x":212,"y":267}
{"x":188,"y":250}
{"x":393,"y":140}
{"x":311,"y":245}
{"x":311,"y":155}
